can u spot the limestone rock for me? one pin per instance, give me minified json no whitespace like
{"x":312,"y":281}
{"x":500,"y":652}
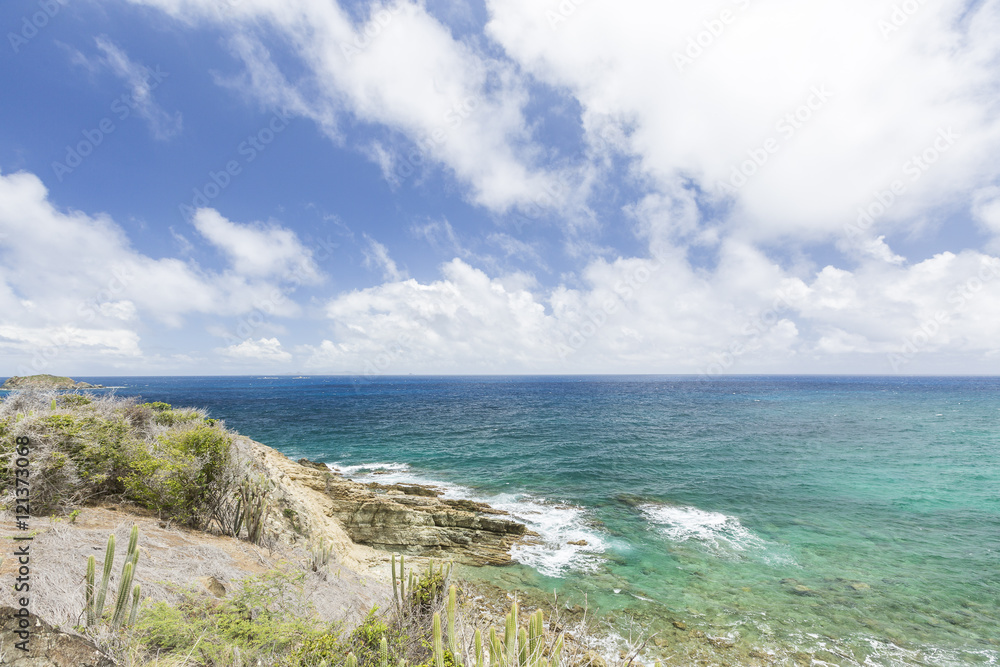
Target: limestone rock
{"x":404,"y":518}
{"x":47,"y":647}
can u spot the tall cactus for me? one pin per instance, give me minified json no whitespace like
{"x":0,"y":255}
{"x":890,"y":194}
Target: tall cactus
{"x":438,"y":644}
{"x":478,"y":644}
{"x":452,"y":644}
{"x":97,"y":595}
{"x":109,"y":559}
{"x":89,"y":596}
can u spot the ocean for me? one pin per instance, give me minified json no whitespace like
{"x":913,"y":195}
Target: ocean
{"x":837,"y":520}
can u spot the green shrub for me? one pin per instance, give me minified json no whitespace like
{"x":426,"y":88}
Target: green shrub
{"x":158,"y":406}
{"x":266,"y":622}
{"x":176,"y":473}
{"x":75,"y":400}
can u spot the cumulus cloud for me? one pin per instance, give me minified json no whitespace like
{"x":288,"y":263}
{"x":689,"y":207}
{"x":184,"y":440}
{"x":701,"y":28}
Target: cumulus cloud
{"x":264,"y":349}
{"x":797,"y":114}
{"x":73,"y":282}
{"x":258,"y":250}
{"x":656,"y":314}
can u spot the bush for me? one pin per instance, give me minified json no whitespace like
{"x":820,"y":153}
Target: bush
{"x":266,"y":622}
{"x":179,"y":470}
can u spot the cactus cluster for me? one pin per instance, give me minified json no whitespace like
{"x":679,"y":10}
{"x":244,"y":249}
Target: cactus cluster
{"x":96,"y":595}
{"x":520,"y":647}
{"x":412,"y":591}
{"x":321,"y":551}
{"x":252,"y":504}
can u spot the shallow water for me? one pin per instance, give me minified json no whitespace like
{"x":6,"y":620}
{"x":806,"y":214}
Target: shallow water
{"x":854,"y":518}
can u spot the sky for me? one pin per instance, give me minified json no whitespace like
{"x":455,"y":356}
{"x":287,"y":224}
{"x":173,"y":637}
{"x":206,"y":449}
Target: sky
{"x":200,"y":187}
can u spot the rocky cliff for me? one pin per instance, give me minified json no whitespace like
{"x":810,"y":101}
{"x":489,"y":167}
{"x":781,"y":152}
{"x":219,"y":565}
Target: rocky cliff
{"x":404,"y":518}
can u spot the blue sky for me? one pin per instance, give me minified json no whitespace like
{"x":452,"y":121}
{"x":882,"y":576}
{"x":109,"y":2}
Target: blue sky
{"x":516,"y":186}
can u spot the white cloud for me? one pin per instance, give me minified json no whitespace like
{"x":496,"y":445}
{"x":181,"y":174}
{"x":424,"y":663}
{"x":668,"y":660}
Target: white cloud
{"x":377,"y":257}
{"x":399,"y":68}
{"x":73,"y":283}
{"x":875,"y":102}
{"x":264,"y":349}
{"x":656,"y":314}
{"x":258,"y":250}
{"x":141,"y":81}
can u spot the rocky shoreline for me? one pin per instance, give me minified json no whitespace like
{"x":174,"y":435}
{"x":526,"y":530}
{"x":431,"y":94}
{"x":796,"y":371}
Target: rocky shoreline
{"x":403,"y":518}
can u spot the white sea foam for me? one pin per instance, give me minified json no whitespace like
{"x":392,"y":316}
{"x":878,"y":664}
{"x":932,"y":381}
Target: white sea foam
{"x":557,"y":524}
{"x":718,"y":531}
{"x":721,"y":534}
{"x":362,"y":468}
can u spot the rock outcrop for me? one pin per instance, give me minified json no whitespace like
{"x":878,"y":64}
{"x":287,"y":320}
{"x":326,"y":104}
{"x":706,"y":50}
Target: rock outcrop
{"x":46,"y":382}
{"x":47,"y":647}
{"x":403,"y":518}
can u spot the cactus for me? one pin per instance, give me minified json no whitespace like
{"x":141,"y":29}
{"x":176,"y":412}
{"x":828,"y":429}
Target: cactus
{"x":510,"y":634}
{"x":395,"y":588}
{"x":109,"y":559}
{"x":478,"y":643}
{"x":351,"y":660}
{"x":496,"y":650}
{"x":121,"y":604}
{"x":522,"y":648}
{"x":438,"y":645}
{"x":383,"y":652}
{"x":135,"y":605}
{"x":452,"y":645}
{"x":94,"y":606}
{"x":557,"y":651}
{"x":89,"y":606}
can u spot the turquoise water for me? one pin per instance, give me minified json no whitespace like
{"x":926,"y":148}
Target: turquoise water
{"x":853,"y":519}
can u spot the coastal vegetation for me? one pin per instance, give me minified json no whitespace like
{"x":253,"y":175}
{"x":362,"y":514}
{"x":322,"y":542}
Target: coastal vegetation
{"x":185,"y":469}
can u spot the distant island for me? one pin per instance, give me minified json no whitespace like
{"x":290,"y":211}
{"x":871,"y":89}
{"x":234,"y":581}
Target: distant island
{"x":46,"y":382}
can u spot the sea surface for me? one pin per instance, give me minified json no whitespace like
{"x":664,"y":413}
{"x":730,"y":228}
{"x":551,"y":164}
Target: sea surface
{"x":832,"y":520}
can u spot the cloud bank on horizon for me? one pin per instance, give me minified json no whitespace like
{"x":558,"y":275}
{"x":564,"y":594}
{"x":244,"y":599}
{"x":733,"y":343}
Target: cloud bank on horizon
{"x":515,"y":186}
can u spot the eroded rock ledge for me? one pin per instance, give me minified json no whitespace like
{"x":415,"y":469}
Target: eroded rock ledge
{"x":403,"y":518}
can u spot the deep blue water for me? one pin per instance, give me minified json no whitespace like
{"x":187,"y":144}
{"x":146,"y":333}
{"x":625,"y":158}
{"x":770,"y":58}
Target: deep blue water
{"x":857,"y":517}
